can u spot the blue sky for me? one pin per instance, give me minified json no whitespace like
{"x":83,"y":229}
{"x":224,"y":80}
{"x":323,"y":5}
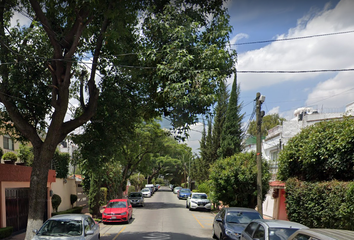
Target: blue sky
{"x":258,"y":20}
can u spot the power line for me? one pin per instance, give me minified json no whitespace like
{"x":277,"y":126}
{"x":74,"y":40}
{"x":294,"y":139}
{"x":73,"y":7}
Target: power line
{"x":293,"y":38}
{"x":297,"y":71}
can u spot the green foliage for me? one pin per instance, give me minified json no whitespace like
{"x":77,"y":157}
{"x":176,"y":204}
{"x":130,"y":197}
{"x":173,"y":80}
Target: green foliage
{"x":321,"y":152}
{"x":10,"y":156}
{"x":73,"y":199}
{"x":234,"y":180}
{"x":61,"y":164}
{"x":56,"y":200}
{"x":268,"y":122}
{"x":103,"y":194}
{"x":232,"y":134}
{"x":69,"y":211}
{"x":6,"y":232}
{"x":25,"y":154}
{"x":131,"y":189}
{"x":322,"y":204}
{"x":204,"y":187}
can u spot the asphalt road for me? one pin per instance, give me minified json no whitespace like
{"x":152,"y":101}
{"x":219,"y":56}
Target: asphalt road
{"x":163,"y":217}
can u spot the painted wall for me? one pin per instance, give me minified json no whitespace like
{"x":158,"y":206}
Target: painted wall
{"x":64,"y":188}
{"x":13,"y":176}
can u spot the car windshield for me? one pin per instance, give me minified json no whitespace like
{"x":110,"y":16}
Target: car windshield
{"x":184,"y":190}
{"x":61,"y":228}
{"x":241,"y":217}
{"x":280,"y":233}
{"x":116,"y":205}
{"x":145,"y":190}
{"x":199,"y":196}
{"x":135,"y":195}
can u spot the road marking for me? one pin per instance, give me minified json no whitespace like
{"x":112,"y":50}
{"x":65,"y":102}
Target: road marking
{"x":197,"y":221}
{"x":119,"y":233}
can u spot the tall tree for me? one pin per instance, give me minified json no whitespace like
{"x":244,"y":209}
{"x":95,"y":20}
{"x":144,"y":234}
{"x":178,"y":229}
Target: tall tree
{"x":231,"y":137}
{"x":46,"y":68}
{"x":219,"y":119}
{"x":268,"y":122}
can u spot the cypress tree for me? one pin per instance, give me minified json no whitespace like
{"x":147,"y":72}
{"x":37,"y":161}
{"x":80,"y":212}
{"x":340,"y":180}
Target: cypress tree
{"x":231,"y":137}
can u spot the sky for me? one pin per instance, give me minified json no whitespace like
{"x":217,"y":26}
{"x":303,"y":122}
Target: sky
{"x":324,"y":40}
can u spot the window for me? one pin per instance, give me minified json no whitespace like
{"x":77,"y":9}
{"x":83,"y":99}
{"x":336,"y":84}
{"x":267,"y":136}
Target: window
{"x":259,"y":233}
{"x":8,"y":143}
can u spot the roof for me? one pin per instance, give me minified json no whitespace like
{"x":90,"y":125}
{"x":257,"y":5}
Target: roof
{"x":240,"y":209}
{"x":278,"y":184}
{"x":73,"y":216}
{"x":281,"y":223}
{"x":326,"y":234}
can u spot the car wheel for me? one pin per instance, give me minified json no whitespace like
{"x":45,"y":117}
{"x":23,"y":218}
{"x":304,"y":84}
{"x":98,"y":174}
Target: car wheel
{"x":214,"y":236}
{"x":190,"y":209}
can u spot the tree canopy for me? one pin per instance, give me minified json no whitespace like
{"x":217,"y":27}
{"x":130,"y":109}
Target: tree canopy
{"x":321,"y":152}
{"x":268,"y":122}
{"x":170,"y":55}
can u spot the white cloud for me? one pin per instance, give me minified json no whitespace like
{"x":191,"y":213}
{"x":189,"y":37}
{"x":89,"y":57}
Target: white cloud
{"x":19,"y":17}
{"x":329,"y":52}
{"x":195,"y":134}
{"x":273,"y":111}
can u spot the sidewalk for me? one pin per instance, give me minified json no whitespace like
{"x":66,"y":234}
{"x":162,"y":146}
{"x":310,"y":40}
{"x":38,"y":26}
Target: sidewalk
{"x":21,"y":236}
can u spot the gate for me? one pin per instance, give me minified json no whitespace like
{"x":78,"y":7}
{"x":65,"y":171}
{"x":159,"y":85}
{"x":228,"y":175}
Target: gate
{"x":16,"y":200}
{"x":81,"y":196}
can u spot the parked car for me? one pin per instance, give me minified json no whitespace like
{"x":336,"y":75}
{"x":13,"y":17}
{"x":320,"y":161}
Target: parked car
{"x":146,"y":192}
{"x":69,"y":226}
{"x":172,"y":186}
{"x":183,"y":193}
{"x":117,"y":210}
{"x":198,"y":201}
{"x":230,"y":222}
{"x":322,"y":234}
{"x":270,"y":229}
{"x":152,"y":188}
{"x":176,"y":189}
{"x":136,"y":199}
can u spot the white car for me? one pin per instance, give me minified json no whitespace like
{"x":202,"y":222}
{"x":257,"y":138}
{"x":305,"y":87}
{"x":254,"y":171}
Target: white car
{"x":146,"y":192}
{"x":198,"y":201}
{"x":176,"y":189}
{"x":69,"y":226}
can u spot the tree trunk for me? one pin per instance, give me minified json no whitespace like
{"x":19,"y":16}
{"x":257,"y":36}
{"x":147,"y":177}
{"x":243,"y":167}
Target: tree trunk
{"x":38,"y":189}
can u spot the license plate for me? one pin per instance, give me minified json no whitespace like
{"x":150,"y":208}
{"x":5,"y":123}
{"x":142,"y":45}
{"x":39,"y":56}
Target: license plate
{"x":113,"y":217}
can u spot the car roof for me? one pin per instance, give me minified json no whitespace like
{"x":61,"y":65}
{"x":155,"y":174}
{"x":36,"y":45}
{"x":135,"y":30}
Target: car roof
{"x":69,"y":216}
{"x":240,"y":209}
{"x":198,"y":193}
{"x":326,"y":234}
{"x":134,"y":192}
{"x":118,"y":200}
{"x":280,"y":223}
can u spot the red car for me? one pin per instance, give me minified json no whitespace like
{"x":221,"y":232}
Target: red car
{"x":117,"y":210}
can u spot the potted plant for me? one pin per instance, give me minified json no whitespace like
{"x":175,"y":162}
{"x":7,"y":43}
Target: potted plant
{"x":9,"y":157}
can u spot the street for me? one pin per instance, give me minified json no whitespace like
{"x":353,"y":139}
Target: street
{"x":164,"y":216}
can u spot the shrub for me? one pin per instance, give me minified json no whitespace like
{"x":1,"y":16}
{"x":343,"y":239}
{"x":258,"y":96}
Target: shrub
{"x":103,"y":196}
{"x":10,"y":156}
{"x":73,"y":199}
{"x":56,"y":200}
{"x":72,"y":210}
{"x":6,"y":232}
{"x":204,"y":187}
{"x":321,"y":204}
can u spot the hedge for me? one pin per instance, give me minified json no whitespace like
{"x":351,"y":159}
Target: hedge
{"x":6,"y":232}
{"x":69,"y":211}
{"x":321,"y":204}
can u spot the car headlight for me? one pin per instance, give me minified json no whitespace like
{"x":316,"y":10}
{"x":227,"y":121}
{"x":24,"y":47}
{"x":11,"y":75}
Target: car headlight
{"x":232,"y":234}
{"x":105,"y":214}
{"x":123,"y":213}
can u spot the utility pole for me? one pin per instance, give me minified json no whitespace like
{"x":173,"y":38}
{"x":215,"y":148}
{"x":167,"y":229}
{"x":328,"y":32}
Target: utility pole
{"x":259,"y":115}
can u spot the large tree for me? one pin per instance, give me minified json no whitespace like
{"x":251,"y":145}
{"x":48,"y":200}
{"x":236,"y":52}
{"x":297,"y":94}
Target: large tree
{"x":177,"y":60}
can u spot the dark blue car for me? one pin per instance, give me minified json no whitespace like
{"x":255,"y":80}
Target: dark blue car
{"x":183,"y":193}
{"x":230,"y":222}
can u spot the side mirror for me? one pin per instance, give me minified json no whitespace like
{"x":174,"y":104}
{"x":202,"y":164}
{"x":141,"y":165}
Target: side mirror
{"x":35,"y":231}
{"x":218,"y":219}
{"x":104,"y":206}
{"x":89,"y":232}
